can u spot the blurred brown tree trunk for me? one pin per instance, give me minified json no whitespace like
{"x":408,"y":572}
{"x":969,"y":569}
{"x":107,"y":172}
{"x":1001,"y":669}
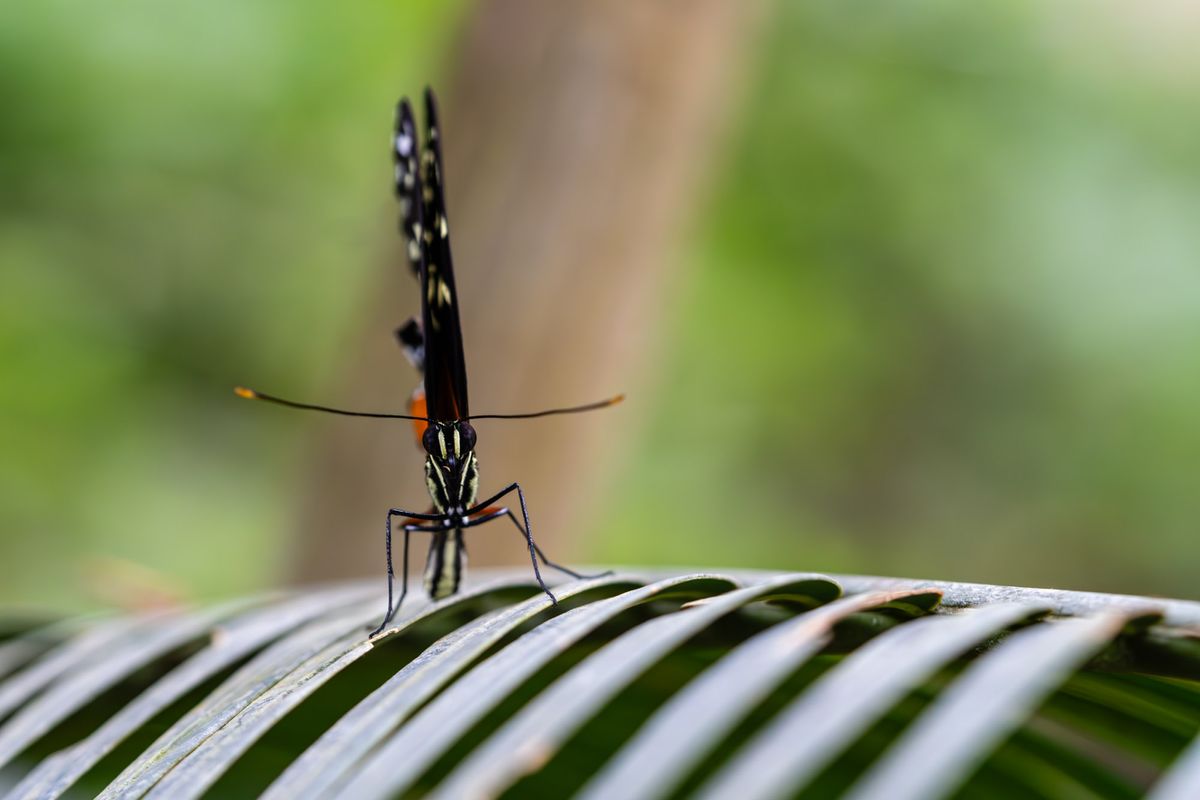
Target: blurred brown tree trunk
{"x":576,"y":135}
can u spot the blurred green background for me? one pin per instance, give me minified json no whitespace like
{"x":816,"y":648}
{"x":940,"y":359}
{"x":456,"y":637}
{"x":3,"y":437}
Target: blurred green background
{"x":939,"y":314}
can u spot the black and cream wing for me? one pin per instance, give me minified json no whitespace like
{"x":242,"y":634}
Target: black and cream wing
{"x":445,"y":365}
{"x":405,"y":152}
{"x":435,"y":344}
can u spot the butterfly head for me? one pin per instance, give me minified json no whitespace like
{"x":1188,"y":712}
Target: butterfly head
{"x":451,"y":470}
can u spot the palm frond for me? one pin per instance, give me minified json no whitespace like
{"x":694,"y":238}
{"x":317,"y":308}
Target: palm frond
{"x":636,"y":685}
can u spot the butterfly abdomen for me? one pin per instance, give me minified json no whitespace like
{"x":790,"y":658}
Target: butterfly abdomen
{"x":446,"y":564}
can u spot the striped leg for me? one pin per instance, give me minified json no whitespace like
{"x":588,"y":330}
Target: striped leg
{"x":387,"y":544}
{"x":526,"y":530}
{"x":559,"y":567}
{"x":492,"y":513}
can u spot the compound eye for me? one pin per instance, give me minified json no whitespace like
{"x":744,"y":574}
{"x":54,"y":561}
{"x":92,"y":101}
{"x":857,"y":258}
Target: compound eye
{"x":429,"y":441}
{"x":468,"y":435}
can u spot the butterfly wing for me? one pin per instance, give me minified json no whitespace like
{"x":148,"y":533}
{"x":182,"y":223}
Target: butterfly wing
{"x":408,"y":183}
{"x":420,"y":189}
{"x":445,"y":366}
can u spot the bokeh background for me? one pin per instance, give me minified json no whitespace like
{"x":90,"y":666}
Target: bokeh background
{"x":897,"y":288}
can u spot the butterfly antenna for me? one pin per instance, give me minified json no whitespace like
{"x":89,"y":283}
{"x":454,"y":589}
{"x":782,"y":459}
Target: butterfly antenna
{"x":611,"y":401}
{"x":250,"y":394}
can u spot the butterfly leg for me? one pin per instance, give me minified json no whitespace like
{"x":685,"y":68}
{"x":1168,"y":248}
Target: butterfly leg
{"x":490,"y":513}
{"x":387,"y":544}
{"x":542,"y":555}
{"x":527,"y":531}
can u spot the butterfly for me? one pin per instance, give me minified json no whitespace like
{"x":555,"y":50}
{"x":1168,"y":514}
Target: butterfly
{"x":439,"y":407}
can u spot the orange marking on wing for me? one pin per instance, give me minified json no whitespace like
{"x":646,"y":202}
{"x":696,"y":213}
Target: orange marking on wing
{"x":416,"y":408}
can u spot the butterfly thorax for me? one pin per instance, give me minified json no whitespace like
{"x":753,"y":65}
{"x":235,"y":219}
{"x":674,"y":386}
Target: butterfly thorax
{"x":451,"y":468}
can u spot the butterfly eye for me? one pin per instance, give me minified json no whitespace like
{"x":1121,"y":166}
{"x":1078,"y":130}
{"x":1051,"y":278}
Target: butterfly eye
{"x":430,"y":442}
{"x":468,"y":435}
